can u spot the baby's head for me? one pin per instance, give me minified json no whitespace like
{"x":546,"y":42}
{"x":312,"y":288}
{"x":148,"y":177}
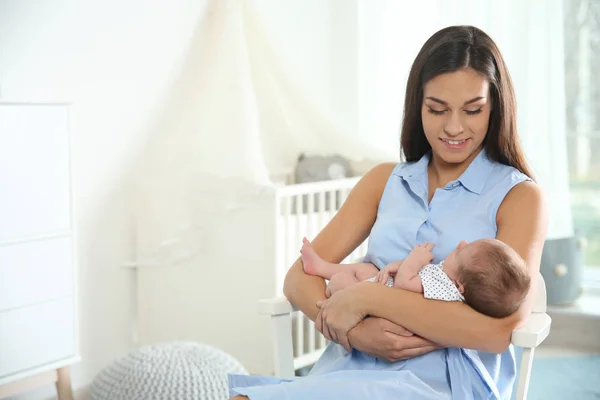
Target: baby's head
{"x":491,"y":276}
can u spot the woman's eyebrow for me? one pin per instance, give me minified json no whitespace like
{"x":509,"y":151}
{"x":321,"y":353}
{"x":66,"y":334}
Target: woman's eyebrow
{"x":473,"y":100}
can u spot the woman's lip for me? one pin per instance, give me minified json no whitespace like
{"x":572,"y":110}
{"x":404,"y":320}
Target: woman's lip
{"x":458,"y":143}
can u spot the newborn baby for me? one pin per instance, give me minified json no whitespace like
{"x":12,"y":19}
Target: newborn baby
{"x":486,"y":274}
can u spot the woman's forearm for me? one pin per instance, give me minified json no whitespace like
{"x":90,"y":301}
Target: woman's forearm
{"x":452,"y":324}
{"x":304,"y":291}
{"x":349,"y":227}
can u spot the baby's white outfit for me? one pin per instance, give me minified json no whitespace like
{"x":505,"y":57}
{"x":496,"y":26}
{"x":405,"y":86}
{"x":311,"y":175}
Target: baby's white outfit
{"x":437,"y":285}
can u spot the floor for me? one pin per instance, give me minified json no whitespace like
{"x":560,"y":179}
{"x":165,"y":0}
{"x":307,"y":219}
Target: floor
{"x":560,"y":373}
{"x":567,"y":365}
{"x":549,"y":352}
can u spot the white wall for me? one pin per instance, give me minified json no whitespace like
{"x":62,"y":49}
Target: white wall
{"x":115,"y":60}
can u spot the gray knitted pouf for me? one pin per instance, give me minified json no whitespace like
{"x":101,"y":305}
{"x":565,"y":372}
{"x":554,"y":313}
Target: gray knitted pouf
{"x":170,"y":371}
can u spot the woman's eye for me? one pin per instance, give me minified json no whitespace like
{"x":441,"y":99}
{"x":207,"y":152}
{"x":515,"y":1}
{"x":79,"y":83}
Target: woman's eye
{"x":473,"y":112}
{"x":436,"y":112}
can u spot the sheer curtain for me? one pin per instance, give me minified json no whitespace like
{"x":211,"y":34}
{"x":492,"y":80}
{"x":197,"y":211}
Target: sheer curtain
{"x":530,"y":36}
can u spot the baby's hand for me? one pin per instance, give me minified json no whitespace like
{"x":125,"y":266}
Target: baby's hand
{"x":427,"y":246}
{"x":422,"y":253}
{"x":384,"y":273}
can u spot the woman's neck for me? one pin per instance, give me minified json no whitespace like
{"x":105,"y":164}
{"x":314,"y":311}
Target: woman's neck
{"x":441,"y":172}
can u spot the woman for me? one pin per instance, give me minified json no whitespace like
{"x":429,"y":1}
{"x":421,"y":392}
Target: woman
{"x":465,"y":178}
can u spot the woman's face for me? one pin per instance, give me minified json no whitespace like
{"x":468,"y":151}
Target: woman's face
{"x":456,"y":112}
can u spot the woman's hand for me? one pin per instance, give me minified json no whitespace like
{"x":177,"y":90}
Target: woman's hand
{"x":340,"y":313}
{"x":381,"y":338}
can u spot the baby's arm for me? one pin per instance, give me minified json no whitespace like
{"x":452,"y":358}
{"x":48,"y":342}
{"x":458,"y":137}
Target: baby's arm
{"x":408,"y":277}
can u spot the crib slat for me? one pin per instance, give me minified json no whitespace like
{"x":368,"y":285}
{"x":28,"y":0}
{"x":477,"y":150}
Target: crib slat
{"x":300,"y":228}
{"x":287,"y":234}
{"x":299,"y":344}
{"x":331,"y":203}
{"x":341,"y":196}
{"x":322,"y":212}
{"x":312,"y":342}
{"x":300,"y":222}
{"x":280,"y":242}
{"x":322,"y":342}
{"x":311,"y":229}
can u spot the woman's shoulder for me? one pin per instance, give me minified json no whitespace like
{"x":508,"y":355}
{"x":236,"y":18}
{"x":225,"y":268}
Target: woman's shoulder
{"x":516,"y":190}
{"x":371,"y":185}
{"x":508,"y":187}
{"x":524,"y":195}
{"x":380,"y":173}
{"x":504,"y":176}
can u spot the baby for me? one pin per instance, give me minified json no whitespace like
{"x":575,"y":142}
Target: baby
{"x":486,"y":274}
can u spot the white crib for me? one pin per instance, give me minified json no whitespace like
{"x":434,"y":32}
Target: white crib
{"x":303,"y":210}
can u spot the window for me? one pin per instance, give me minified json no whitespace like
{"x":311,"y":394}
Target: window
{"x":582,"y":58}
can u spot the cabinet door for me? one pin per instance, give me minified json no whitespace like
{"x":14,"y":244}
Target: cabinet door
{"x":34,"y":272}
{"x":34,"y":171}
{"x":33,"y":336}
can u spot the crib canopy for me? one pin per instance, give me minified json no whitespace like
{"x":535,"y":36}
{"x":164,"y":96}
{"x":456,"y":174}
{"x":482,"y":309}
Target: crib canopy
{"x":236,"y":116}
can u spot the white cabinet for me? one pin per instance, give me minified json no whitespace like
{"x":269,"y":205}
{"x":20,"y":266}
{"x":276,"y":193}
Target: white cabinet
{"x":34,"y":171}
{"x":38,"y":310}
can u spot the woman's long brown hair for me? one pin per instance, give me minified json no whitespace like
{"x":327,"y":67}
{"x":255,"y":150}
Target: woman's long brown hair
{"x":449,"y":50}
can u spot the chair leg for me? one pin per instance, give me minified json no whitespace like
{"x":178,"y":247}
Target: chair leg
{"x":281,"y":328}
{"x":63,"y":384}
{"x":524,"y":373}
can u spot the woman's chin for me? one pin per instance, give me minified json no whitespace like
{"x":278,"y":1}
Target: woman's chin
{"x":455,"y":156}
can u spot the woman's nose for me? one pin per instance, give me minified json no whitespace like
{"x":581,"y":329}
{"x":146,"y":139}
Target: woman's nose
{"x":453,"y":126}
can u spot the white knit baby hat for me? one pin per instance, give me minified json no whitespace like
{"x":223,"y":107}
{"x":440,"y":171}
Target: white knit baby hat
{"x":170,"y":371}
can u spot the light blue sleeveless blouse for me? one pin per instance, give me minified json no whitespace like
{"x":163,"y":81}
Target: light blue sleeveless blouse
{"x":463,"y":210}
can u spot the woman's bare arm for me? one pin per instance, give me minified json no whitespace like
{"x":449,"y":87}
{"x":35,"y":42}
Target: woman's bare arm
{"x":522,"y":223}
{"x":345,"y":232}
